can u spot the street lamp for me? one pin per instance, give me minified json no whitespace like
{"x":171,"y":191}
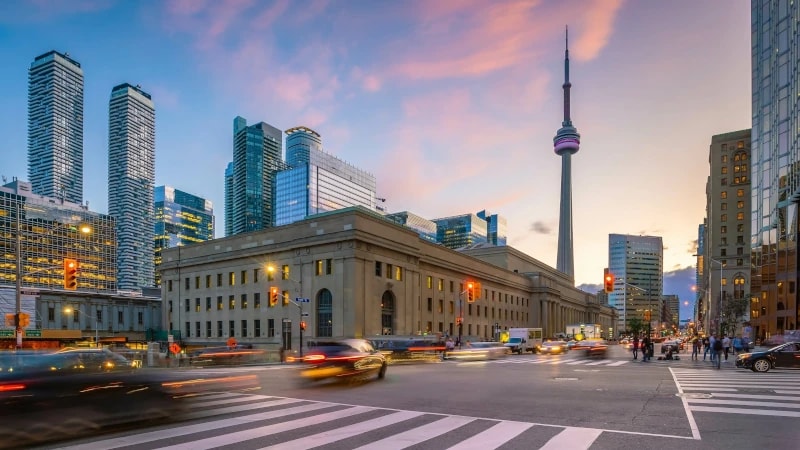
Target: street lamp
{"x":84,"y":229}
{"x":96,"y":324}
{"x":271,"y":270}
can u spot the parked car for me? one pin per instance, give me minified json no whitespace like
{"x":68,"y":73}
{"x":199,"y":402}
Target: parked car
{"x":784,"y":356}
{"x":343,"y":358}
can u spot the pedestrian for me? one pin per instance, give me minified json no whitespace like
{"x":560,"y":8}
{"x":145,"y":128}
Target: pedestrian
{"x":706,"y":347}
{"x":737,"y":345}
{"x":712,"y":340}
{"x":635,"y":347}
{"x":646,"y":348}
{"x":696,"y":347}
{"x":726,"y":346}
{"x":717,"y":350}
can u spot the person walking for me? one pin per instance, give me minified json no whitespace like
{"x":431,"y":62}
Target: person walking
{"x":696,"y":347}
{"x":646,"y":348}
{"x":716,"y":347}
{"x":706,"y":347}
{"x":726,"y":346}
{"x":712,"y":340}
{"x":635,"y":347}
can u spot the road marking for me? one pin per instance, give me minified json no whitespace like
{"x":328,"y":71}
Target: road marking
{"x":329,"y":437}
{"x":755,"y":412}
{"x":599,"y":362}
{"x":764,"y":397}
{"x":785,"y":391}
{"x":573,"y":437}
{"x":746,"y":403}
{"x":419,"y":434}
{"x":619,"y":363}
{"x":684,"y":400}
{"x":494,"y":437}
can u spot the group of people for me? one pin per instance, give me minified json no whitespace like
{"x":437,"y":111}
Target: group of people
{"x":716,"y":348}
{"x":645,"y":345}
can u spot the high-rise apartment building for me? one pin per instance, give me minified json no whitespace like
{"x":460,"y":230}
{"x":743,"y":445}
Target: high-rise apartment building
{"x":257,"y":151}
{"x":637,"y":263}
{"x":131,"y":180}
{"x":55,"y":127}
{"x":180,"y":219}
{"x":670,"y":314}
{"x":229,"y":199}
{"x":316,"y":181}
{"x":726,"y":256}
{"x":775,"y":188}
{"x":50,"y":230}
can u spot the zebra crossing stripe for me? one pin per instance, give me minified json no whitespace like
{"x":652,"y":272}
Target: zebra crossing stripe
{"x":418,"y":435}
{"x":494,"y":437}
{"x":596,"y":363}
{"x":329,"y":437}
{"x":573,"y":437}
{"x":618,"y":363}
{"x":754,"y":412}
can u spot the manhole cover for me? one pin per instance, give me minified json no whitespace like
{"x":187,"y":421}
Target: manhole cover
{"x":694,"y":395}
{"x":564,"y":379}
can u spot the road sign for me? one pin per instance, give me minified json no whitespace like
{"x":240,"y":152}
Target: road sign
{"x":7,"y":333}
{"x":305,"y":314}
{"x":33,"y":333}
{"x":170,"y":339}
{"x":302,"y":300}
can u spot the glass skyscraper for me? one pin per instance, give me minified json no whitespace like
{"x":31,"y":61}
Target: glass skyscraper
{"x":459,"y":231}
{"x":775,"y":187}
{"x":497,"y":228}
{"x":55,"y":127}
{"x":637,"y":263}
{"x":426,"y":228}
{"x":50,"y":233}
{"x":131,"y":180}
{"x":257,"y":151}
{"x":229,"y":199}
{"x":317,"y":182}
{"x":180,"y":219}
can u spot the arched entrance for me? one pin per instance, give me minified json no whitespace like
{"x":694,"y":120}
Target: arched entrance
{"x":324,"y":313}
{"x":387,"y":313}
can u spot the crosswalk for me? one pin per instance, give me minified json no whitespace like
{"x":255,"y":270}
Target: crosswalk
{"x":739,"y":392}
{"x":264,"y":422}
{"x":571,"y":360}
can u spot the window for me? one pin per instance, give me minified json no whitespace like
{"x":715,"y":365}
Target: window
{"x":140,"y":318}
{"x":120,"y":317}
{"x":51,"y":313}
{"x":329,"y":267}
{"x":187,"y":305}
{"x":255,"y":275}
{"x":219,"y":304}
{"x":270,"y":273}
{"x":723,"y":218}
{"x":324,"y":314}
{"x":208,"y":303}
{"x":318,"y":268}
{"x":739,"y":144}
{"x":99,"y":315}
{"x":430,"y":304}
{"x":270,"y":327}
{"x":378,"y":269}
{"x":244,"y":301}
{"x":243,"y":277}
{"x":244,"y":328}
{"x":723,"y":252}
{"x":389,"y":271}
{"x":197,"y":305}
{"x":740,"y":228}
{"x":197,"y":329}
{"x":76,"y":315}
{"x":740,"y":216}
{"x":231,"y":302}
{"x":169,"y":285}
{"x":170,"y":306}
{"x":197,"y":282}
{"x":452,"y":286}
{"x":441,"y":305}
{"x":208,"y":283}
{"x":723,"y":181}
{"x":186,"y":283}
{"x":219,"y":283}
{"x":429,"y":282}
{"x":724,"y":159}
{"x":740,"y":204}
{"x":286,"y":298}
{"x":723,"y":194}
{"x":724,"y":170}
{"x":256,"y":328}
{"x":723,"y":241}
{"x":285,"y":272}
{"x":441,"y":285}
{"x":398,"y":273}
{"x":723,"y":229}
{"x":231,"y":328}
{"x":452,"y":307}
{"x":231,"y":279}
{"x":723,"y":206}
{"x":257,"y":300}
{"x":208,"y":329}
{"x":219,"y":328}
{"x":740,"y":192}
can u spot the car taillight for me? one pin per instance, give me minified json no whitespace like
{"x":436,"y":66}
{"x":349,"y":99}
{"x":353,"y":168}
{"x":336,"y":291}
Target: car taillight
{"x":11,"y":387}
{"x":314,"y":358}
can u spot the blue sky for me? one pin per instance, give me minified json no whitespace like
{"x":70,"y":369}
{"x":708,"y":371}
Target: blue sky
{"x":452,"y":105}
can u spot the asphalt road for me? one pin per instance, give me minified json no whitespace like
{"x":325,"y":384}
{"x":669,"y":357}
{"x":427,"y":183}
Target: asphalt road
{"x":528,"y":401}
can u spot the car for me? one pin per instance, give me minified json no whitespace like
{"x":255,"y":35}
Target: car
{"x":571,"y":344}
{"x":784,"y":356}
{"x":553,"y":347}
{"x":675,"y":345}
{"x":592,"y":348}
{"x":480,"y":351}
{"x":353,"y":359}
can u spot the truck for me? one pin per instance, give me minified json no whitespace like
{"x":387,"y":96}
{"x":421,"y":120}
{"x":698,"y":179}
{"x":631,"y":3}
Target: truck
{"x":581,"y":331}
{"x":524,"y":340}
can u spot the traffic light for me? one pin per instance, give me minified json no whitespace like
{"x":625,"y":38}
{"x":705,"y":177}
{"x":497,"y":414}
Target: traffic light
{"x":273,"y":296}
{"x":470,"y":292}
{"x":459,"y":320}
{"x":70,"y":274}
{"x":302,"y":325}
{"x":608,"y":282}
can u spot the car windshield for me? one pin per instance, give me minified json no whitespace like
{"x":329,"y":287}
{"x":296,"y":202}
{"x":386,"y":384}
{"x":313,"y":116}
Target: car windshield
{"x":514,"y":340}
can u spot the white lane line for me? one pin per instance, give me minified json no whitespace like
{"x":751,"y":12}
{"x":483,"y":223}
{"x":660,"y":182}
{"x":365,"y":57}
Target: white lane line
{"x":151,"y":436}
{"x":744,"y":403}
{"x":705,"y":388}
{"x":419,"y":434}
{"x":573,"y":438}
{"x":763,"y":397}
{"x":689,"y":415}
{"x":786,"y":391}
{"x":577,"y":361}
{"x":252,"y":433}
{"x":756,"y":412}
{"x":494,"y":437}
{"x":335,"y":435}
{"x":618,"y":363}
{"x":597,"y":363}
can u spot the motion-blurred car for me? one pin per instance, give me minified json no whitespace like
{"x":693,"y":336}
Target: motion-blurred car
{"x":785,"y":356}
{"x":553,"y":347}
{"x":676,"y":346}
{"x":592,"y":348}
{"x":343,"y":358}
{"x":218,"y":356}
{"x":480,"y":351}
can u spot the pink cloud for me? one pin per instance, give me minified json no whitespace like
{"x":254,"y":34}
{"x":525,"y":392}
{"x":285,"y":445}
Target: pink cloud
{"x":598,"y":25}
{"x":372,"y":83}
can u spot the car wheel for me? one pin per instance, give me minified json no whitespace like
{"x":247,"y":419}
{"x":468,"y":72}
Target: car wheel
{"x":382,"y":372}
{"x":761,"y":365}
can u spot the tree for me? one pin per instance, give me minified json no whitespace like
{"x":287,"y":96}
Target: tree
{"x":732,"y":311}
{"x":635,"y":325}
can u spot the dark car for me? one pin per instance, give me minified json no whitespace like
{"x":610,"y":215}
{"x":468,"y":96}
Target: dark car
{"x":343,"y":358}
{"x":592,"y":348}
{"x":675,"y":345}
{"x":784,"y":356}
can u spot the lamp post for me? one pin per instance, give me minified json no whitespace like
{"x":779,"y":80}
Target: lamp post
{"x":85,"y":229}
{"x":96,"y":324}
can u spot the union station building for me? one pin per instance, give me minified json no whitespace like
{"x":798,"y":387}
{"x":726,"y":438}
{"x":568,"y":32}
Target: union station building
{"x":353,"y":273}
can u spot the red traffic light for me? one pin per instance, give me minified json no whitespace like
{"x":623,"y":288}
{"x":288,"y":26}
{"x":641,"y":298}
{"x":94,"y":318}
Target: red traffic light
{"x":303,"y":325}
{"x":608,"y":282}
{"x":70,"y":274}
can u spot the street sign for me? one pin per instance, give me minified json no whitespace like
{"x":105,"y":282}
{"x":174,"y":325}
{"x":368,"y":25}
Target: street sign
{"x":7,"y":333}
{"x":170,"y":339}
{"x":33,"y":333}
{"x":302,"y":300}
{"x":305,"y":314}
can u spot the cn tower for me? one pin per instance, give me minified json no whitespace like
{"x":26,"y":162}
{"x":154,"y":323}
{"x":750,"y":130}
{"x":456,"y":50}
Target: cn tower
{"x":566,"y":143}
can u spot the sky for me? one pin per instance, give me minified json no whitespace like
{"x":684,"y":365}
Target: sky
{"x":451,"y":105}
